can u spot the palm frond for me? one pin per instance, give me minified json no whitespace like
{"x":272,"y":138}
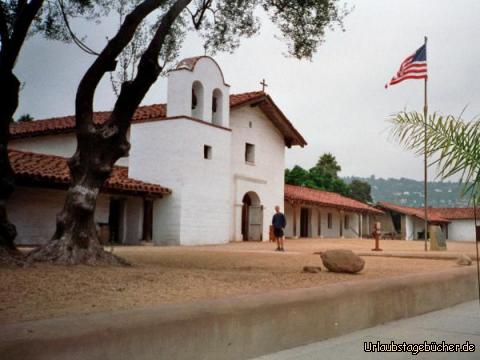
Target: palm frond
{"x":453,"y":145}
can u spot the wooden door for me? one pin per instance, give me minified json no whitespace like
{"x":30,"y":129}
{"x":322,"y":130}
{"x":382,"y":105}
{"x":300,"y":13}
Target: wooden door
{"x":255,"y":228}
{"x":245,"y":221}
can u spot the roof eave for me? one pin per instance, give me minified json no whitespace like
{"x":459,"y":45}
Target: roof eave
{"x":292,"y":136}
{"x":335,"y":206}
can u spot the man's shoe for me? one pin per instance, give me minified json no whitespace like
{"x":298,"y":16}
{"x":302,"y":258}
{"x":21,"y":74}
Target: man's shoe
{"x":282,"y":249}
{"x":278,"y":249}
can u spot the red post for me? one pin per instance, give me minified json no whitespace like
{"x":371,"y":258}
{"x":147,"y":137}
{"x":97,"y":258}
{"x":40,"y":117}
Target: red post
{"x":376,"y":235}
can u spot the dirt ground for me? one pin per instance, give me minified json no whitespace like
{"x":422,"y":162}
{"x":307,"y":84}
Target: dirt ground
{"x":181,"y":274}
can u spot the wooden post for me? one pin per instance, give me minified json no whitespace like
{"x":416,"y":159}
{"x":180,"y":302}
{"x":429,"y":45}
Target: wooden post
{"x":294,"y":205}
{"x":360,"y":225}
{"x":319,"y":222}
{"x":341,"y":223}
{"x":368,"y":225}
{"x":376,"y":235}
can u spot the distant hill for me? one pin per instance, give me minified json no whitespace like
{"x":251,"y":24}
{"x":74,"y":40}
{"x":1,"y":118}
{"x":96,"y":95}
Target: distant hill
{"x":410,"y":192}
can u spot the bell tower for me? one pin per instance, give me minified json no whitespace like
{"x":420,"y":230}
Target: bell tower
{"x":189,"y":151}
{"x":197,"y":89}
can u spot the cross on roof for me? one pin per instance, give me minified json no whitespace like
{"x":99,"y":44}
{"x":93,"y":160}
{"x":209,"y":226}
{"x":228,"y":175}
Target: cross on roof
{"x":264,"y":85}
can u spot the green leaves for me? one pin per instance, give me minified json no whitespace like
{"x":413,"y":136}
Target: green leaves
{"x":302,"y":24}
{"x":361,"y":190}
{"x":323,"y":176}
{"x":452,"y":144}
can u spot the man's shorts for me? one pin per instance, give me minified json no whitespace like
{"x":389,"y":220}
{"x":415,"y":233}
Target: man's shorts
{"x":278,"y":232}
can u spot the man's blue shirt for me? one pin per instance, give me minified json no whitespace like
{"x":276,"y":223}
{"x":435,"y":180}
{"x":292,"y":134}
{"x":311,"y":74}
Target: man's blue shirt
{"x":279,"y":221}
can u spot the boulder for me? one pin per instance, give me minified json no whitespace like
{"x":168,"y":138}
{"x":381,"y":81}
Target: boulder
{"x":312,"y":269}
{"x":342,"y":261}
{"x":464,"y":260}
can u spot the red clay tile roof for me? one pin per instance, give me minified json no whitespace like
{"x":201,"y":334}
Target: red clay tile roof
{"x":60,"y":125}
{"x":326,"y":198}
{"x":65,"y":124}
{"x":433,"y":217}
{"x":189,"y":63}
{"x":52,"y":171}
{"x":455,"y":213}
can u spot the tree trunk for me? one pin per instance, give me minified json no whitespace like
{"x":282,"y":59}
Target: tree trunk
{"x":76,"y":240}
{"x":9,"y":95}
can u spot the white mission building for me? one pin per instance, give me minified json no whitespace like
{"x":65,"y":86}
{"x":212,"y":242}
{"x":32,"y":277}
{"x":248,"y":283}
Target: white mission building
{"x":206,"y":168}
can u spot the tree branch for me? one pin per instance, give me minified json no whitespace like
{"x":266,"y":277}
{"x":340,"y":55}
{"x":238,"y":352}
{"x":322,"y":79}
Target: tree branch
{"x":4,"y":37}
{"x":21,"y":26}
{"x":21,"y":5}
{"x":81,"y":45}
{"x":133,"y":92}
{"x":200,"y":13}
{"x":105,"y":61}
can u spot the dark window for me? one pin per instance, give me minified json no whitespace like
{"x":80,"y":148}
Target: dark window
{"x":329,"y":220}
{"x":250,"y":153}
{"x":207,"y":152}
{"x":214,"y":104}
{"x":346,"y":223}
{"x":194,"y":99}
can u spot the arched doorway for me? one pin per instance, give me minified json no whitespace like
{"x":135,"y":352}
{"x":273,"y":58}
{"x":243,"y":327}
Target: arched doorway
{"x":252,"y":217}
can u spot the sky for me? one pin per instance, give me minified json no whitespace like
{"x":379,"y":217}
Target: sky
{"x":337,"y":100}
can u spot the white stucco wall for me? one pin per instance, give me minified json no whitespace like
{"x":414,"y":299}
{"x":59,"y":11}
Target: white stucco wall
{"x":171,"y":153}
{"x":60,"y":145}
{"x":266,"y":176}
{"x":36,"y":224}
{"x":334,"y":231}
{"x":409,"y":227}
{"x":353,"y":229}
{"x":321,"y":213}
{"x":461,"y":230}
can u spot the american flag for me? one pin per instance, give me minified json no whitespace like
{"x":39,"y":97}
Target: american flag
{"x":413,"y":67}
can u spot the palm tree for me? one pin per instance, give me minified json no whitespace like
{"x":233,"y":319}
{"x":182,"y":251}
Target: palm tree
{"x":452,"y":144}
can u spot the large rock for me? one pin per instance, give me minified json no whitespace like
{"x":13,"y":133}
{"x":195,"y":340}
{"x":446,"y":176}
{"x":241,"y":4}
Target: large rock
{"x":464,"y":260}
{"x":342,"y":261}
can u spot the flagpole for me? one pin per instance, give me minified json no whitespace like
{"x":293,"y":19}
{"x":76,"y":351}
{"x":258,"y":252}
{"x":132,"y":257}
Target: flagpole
{"x":425,"y":113}
{"x":477,"y":240}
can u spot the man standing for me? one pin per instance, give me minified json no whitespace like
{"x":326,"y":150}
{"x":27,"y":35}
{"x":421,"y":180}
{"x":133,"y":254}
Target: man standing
{"x":279,"y":222}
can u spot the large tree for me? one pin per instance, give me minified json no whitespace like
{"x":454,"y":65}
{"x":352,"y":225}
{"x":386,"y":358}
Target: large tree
{"x":328,"y":164}
{"x":323,"y":176}
{"x":221,"y":23}
{"x":18,"y":20}
{"x":360,"y":190}
{"x":299,"y":176}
